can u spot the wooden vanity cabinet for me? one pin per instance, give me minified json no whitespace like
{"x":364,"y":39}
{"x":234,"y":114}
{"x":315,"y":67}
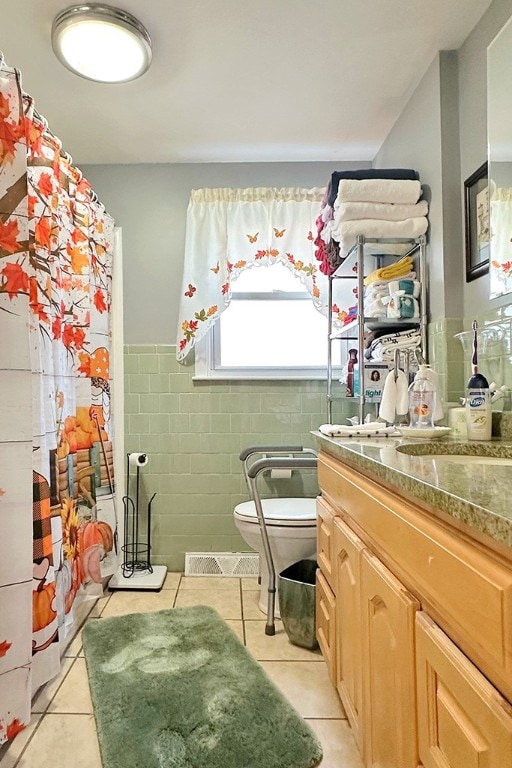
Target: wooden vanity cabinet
{"x":408,"y":594}
{"x":347,"y":549}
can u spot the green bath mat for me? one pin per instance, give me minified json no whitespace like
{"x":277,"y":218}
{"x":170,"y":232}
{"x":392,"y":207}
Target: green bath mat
{"x":176,"y":689}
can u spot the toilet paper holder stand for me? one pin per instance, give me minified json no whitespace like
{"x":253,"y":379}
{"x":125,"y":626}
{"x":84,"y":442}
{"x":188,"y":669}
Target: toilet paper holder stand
{"x":136,"y":551}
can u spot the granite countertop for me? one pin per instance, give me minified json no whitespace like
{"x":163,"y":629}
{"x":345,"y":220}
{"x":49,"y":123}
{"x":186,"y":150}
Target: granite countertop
{"x":474,"y":495}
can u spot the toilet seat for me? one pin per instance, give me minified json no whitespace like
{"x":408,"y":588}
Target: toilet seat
{"x":291,"y":513}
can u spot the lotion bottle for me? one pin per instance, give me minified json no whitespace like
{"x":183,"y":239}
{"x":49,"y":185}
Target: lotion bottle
{"x":478,"y":408}
{"x":478,"y":400}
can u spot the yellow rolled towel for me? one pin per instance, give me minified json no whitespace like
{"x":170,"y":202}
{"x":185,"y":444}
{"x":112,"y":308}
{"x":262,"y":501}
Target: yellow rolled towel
{"x":390,"y":272}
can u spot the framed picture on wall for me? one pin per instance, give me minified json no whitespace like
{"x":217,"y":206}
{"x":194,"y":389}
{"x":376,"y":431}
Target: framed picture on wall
{"x":476,"y":217}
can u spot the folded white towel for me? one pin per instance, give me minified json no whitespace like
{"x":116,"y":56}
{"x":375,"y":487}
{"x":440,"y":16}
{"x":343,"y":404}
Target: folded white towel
{"x":375,"y":308}
{"x":400,"y":338}
{"x":373,"y":429}
{"x":387,"y":211}
{"x":401,"y":192}
{"x":387,"y":354}
{"x":346,"y":233}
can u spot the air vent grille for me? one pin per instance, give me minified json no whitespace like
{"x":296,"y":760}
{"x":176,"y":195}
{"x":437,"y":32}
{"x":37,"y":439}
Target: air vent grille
{"x":221,"y":564}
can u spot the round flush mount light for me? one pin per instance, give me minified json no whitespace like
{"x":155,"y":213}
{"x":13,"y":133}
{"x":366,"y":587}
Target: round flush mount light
{"x":101,"y":43}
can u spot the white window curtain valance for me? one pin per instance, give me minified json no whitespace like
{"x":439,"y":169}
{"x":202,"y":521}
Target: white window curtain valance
{"x":229,"y":230}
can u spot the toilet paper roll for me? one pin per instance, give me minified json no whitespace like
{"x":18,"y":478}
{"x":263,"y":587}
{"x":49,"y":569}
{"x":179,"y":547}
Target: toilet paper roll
{"x":137,"y":459}
{"x":280,"y":474}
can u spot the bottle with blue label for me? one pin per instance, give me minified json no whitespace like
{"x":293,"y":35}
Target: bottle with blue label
{"x":478,"y":400}
{"x":478,"y":410}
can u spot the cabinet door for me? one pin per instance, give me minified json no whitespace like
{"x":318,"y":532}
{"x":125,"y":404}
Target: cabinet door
{"x":325,"y":622}
{"x":463,"y":721}
{"x":325,"y":518}
{"x":387,"y":617}
{"x":347,"y":548}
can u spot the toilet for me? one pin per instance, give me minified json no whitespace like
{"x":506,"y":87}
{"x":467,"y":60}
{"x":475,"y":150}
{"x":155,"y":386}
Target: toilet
{"x":291,"y":528}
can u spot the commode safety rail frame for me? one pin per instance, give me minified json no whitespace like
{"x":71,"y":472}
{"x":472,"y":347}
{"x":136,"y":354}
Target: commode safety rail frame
{"x":369,"y":246}
{"x":251,"y":472}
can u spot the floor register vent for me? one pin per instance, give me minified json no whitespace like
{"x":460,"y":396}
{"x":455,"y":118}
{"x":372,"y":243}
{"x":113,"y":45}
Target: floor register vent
{"x":221,"y":564}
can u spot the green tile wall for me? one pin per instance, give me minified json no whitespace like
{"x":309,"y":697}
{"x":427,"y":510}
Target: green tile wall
{"x":194,"y":432}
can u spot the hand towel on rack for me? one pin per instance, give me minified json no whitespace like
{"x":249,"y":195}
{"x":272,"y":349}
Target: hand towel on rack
{"x":373,"y":429}
{"x":346,"y":234}
{"x":367,"y":173}
{"x":395,"y":400}
{"x":352,"y":211}
{"x":391,"y":272}
{"x":401,"y":192}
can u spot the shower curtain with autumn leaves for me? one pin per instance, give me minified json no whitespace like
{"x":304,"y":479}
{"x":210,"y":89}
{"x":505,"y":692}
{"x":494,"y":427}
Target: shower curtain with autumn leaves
{"x":58,"y":536}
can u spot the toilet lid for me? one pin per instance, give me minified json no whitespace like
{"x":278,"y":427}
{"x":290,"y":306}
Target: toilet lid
{"x":292,"y":512}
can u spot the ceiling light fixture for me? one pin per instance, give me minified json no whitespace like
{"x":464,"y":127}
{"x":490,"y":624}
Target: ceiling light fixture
{"x":101,"y":43}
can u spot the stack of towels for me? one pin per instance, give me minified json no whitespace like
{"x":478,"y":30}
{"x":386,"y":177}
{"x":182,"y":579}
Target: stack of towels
{"x":382,"y":349}
{"x":392,"y":292}
{"x":375,"y":202}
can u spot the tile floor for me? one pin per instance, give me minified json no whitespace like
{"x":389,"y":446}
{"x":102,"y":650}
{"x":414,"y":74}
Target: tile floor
{"x":63,"y":732}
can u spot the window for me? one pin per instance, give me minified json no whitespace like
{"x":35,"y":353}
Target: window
{"x":271,"y":329}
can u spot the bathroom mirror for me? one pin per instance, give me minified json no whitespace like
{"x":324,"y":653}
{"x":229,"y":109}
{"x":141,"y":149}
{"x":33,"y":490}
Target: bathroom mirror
{"x":499,"y":132}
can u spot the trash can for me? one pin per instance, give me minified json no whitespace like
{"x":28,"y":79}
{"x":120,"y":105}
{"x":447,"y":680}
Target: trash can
{"x":296,"y":590}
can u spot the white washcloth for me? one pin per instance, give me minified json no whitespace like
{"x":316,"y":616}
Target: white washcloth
{"x":387,"y":211}
{"x":395,"y":400}
{"x":372,"y":429}
{"x":402,"y":192}
{"x":346,"y":233}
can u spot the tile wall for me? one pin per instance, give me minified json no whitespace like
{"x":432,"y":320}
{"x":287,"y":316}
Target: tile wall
{"x":194,"y":432}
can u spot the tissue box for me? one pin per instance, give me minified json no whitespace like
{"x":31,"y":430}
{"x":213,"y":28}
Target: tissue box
{"x":374,"y":378}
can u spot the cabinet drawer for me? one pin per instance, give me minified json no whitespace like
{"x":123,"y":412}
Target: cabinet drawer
{"x":325,"y":519}
{"x":462,"y":720}
{"x":325,"y":622}
{"x":466,"y":590}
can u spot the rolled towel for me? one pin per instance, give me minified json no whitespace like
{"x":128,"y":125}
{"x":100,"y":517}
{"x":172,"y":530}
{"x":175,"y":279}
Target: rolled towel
{"x":410,"y":287}
{"x":387,"y":211}
{"x":399,"y":191}
{"x":347,"y":232}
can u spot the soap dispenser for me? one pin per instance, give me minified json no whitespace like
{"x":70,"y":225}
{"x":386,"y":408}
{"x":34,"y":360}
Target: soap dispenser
{"x":478,"y":400}
{"x":422,"y":400}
